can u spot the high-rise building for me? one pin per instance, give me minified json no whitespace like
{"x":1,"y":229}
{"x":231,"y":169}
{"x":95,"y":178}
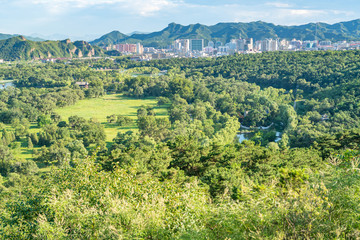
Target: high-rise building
{"x":274,"y":45}
{"x":258,"y":45}
{"x":182,"y":45}
{"x":265,"y":45}
{"x":249,"y":44}
{"x":196,"y":44}
{"x":245,"y":44}
{"x":240,"y":44}
{"x":295,"y":44}
{"x":268,"y":45}
{"x":139,"y":49}
{"x":128,"y":48}
{"x":232,"y":45}
{"x":284,"y":45}
{"x":211,"y":44}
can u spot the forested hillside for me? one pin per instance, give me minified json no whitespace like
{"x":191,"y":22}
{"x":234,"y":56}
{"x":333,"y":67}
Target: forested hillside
{"x":184,"y":173}
{"x":19,"y":48}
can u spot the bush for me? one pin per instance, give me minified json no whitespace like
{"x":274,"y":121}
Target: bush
{"x":124,"y":121}
{"x":163,"y":101}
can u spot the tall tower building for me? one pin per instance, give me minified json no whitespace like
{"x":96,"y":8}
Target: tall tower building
{"x":197,"y":44}
{"x":139,"y":49}
{"x":249,"y":44}
{"x":268,"y":45}
{"x":182,"y":45}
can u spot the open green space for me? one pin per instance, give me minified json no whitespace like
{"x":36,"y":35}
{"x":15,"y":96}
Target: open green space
{"x":99,"y":108}
{"x":24,"y":152}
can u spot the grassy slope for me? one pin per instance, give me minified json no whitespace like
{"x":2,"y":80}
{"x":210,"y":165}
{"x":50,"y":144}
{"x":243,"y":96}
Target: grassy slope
{"x":99,"y":108}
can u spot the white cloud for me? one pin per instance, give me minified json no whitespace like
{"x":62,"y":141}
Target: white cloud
{"x":278,"y":4}
{"x":346,"y":13}
{"x":283,"y":15}
{"x":305,"y":12}
{"x":142,"y":7}
{"x":149,"y":7}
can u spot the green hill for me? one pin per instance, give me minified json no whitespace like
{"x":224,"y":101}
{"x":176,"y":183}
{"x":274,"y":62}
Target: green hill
{"x":19,"y":48}
{"x":111,"y":38}
{"x":226,"y":31}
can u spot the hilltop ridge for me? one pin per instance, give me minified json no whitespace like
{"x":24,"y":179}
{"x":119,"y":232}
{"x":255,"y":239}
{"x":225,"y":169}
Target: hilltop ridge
{"x":19,"y":48}
{"x":258,"y":30}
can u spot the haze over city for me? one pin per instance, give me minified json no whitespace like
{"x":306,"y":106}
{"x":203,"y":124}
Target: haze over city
{"x":88,"y":19}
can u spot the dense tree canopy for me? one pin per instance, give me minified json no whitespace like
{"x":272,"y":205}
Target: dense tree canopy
{"x":184,"y":174}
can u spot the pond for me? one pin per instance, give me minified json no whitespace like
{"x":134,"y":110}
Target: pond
{"x":161,"y":73}
{"x":246,"y":136}
{"x":6,"y":84}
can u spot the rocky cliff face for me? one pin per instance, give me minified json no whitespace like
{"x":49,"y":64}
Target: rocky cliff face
{"x":19,"y":48}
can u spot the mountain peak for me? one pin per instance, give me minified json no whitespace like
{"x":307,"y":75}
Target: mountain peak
{"x":19,"y":48}
{"x":224,"y":32}
{"x":66,"y":41}
{"x":173,"y":24}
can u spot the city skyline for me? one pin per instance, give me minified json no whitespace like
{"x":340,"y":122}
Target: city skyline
{"x":94,"y":18}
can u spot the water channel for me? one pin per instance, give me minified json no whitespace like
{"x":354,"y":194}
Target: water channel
{"x":248,"y":135}
{"x":6,"y":84}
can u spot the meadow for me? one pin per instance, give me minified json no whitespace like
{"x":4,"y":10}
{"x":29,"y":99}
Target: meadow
{"x":99,"y":108}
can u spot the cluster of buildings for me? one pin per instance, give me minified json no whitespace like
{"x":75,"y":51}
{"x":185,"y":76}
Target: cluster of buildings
{"x":196,"y":47}
{"x":298,"y":45}
{"x":204,"y":48}
{"x":127,"y":48}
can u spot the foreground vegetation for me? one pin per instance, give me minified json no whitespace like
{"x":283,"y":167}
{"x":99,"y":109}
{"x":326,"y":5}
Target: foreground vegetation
{"x":176,"y":170}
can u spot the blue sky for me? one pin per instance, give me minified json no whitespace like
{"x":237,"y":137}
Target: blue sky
{"x":78,"y":18}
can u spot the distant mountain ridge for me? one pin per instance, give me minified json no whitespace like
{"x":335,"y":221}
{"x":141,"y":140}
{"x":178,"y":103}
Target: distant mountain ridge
{"x":226,"y":31}
{"x":7,"y":36}
{"x":19,"y":48}
{"x":58,"y":37}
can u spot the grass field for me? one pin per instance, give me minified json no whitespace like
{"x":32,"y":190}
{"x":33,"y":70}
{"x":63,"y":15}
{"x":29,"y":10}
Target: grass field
{"x":24,"y":152}
{"x":100,"y":108}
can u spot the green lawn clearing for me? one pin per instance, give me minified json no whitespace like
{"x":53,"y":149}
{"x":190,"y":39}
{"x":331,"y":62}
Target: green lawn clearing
{"x":100,"y":108}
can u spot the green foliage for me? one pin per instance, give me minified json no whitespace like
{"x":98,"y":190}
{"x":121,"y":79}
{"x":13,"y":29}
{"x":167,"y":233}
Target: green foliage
{"x":6,"y":159}
{"x":181,"y":174}
{"x":157,"y":128}
{"x":30,"y":143}
{"x":18,"y":48}
{"x":43,"y":120}
{"x":85,"y":200}
{"x":163,"y":101}
{"x":123,"y":121}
